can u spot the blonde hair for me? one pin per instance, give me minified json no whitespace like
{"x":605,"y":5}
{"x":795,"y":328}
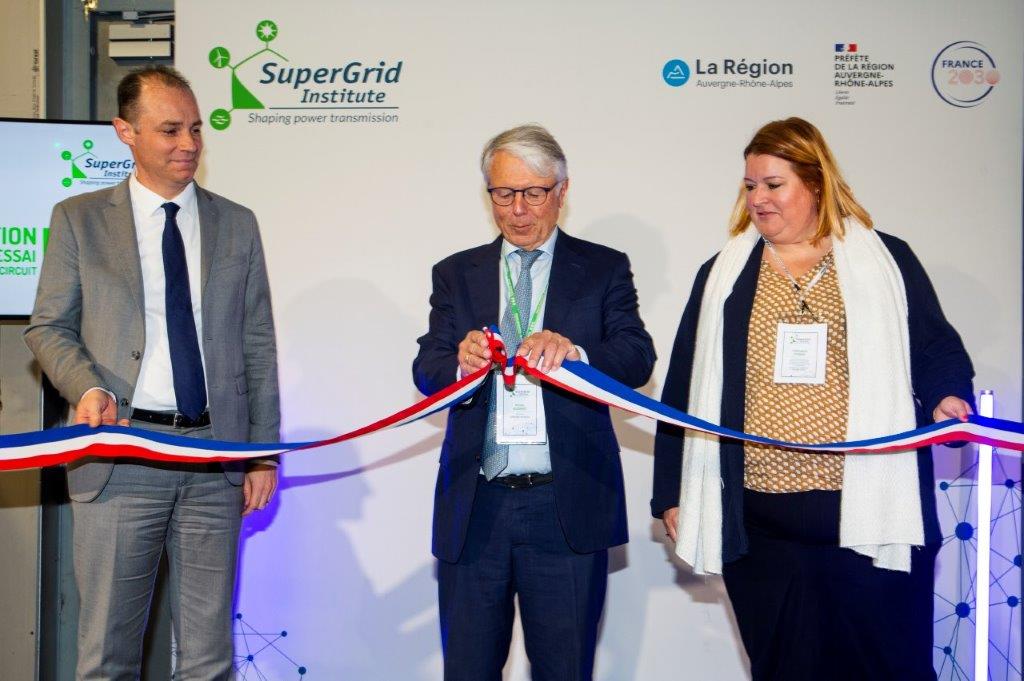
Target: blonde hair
{"x":799,"y":142}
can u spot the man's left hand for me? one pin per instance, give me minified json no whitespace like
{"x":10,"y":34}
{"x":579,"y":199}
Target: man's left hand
{"x":546,"y":350}
{"x":258,"y":488}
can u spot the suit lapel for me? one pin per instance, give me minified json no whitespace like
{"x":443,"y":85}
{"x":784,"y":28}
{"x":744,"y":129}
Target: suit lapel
{"x":482,"y":283}
{"x":121,"y":239}
{"x":567,"y":273}
{"x":209,"y":229}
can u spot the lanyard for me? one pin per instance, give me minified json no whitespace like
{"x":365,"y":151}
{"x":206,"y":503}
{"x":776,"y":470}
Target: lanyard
{"x":801,"y":293}
{"x":512,"y":303}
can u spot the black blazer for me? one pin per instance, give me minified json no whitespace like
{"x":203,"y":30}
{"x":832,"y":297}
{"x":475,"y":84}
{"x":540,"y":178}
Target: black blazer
{"x":592,"y":301}
{"x":939,"y":367}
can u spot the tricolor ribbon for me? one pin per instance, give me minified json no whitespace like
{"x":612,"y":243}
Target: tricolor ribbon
{"x":63,"y":445}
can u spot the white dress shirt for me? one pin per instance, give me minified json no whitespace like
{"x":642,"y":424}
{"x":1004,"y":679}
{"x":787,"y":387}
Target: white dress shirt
{"x":155,"y":387}
{"x":530,"y":458}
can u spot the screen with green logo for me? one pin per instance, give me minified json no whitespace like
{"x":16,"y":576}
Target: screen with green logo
{"x":48,"y":161}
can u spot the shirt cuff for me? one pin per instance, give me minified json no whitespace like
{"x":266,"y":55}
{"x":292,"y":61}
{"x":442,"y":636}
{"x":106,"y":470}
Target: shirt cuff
{"x":458,"y":377}
{"x":113,"y":397}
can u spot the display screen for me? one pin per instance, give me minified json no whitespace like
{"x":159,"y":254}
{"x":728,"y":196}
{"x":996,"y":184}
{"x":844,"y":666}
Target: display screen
{"x":47,"y":161}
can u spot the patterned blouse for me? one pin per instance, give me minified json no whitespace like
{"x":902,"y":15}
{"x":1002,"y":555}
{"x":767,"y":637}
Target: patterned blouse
{"x":794,"y":411}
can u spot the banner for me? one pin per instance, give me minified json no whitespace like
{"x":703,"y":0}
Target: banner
{"x":353,"y":130}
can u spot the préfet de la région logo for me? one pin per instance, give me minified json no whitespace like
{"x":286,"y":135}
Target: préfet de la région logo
{"x":964,"y":74}
{"x":279,"y":89}
{"x":856,"y":72}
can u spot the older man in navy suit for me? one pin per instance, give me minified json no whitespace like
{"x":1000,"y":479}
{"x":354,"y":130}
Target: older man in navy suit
{"x":529,"y":494}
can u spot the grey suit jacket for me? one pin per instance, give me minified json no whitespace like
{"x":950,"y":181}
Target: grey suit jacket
{"x":88,"y":324}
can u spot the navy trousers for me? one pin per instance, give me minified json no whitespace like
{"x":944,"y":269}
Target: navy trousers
{"x":515,"y":547}
{"x":809,"y":610}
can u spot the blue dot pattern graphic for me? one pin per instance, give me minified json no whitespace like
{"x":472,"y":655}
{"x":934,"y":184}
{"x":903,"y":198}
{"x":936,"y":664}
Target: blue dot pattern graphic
{"x":252,"y":645}
{"x":955,"y":605}
{"x":964,"y":531}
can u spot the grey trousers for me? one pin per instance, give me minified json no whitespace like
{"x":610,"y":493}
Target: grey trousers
{"x":193,"y":513}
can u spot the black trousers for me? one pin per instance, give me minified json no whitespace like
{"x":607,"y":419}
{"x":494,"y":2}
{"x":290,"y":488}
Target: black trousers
{"x":808,"y":609}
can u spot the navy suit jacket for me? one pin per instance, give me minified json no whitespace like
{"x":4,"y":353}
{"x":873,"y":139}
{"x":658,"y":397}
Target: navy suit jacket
{"x":592,"y":301}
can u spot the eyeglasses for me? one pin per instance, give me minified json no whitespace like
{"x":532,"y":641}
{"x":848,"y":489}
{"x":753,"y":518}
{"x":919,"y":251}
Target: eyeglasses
{"x":504,"y":196}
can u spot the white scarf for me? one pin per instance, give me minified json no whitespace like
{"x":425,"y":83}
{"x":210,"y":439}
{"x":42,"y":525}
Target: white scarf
{"x":880,"y":513}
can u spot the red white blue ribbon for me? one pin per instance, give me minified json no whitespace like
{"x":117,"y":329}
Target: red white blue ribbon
{"x":63,"y":445}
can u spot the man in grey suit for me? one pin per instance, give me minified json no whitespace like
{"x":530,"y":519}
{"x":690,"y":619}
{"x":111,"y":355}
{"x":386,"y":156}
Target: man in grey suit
{"x":153,"y":310}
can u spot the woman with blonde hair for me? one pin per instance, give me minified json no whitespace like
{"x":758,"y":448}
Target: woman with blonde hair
{"x":811,"y":326}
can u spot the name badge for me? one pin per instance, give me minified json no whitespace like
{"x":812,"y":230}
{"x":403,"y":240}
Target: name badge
{"x":800,"y":353}
{"x":517,"y":414}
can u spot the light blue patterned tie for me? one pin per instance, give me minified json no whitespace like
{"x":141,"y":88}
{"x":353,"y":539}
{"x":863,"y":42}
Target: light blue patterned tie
{"x":495,"y":457}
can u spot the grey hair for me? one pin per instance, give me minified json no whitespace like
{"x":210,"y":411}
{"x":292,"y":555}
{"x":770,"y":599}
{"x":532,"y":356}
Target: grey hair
{"x":531,"y":144}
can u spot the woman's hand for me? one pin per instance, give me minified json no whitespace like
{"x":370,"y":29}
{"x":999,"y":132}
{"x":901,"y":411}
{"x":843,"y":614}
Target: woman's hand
{"x":951,"y":407}
{"x":670,"y":518}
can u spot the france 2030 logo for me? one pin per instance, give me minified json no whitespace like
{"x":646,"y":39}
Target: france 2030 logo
{"x":964,"y":74}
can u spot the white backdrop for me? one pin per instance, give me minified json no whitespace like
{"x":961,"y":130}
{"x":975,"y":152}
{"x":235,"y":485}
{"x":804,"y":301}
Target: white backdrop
{"x":355,"y":213}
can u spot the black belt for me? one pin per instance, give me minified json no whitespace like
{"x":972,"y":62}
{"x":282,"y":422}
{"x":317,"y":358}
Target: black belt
{"x":163,"y":418}
{"x":524,"y":480}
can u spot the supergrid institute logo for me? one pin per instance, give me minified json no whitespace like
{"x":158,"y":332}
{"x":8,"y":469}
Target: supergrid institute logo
{"x":88,"y":168}
{"x":266,"y":80}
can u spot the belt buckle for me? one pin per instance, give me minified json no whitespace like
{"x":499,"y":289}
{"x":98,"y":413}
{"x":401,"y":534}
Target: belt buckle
{"x":178,"y":420}
{"x":523,"y":480}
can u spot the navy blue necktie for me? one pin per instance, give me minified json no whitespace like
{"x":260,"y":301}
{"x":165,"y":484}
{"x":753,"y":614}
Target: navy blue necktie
{"x":186,"y":362}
